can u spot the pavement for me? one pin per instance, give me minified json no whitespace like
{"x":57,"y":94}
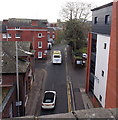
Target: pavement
{"x":34,"y":97}
{"x":86,"y":100}
{"x":78,"y":80}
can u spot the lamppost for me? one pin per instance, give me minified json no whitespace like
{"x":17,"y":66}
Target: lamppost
{"x":7,"y":32}
{"x":18,"y":103}
{"x":17,"y":78}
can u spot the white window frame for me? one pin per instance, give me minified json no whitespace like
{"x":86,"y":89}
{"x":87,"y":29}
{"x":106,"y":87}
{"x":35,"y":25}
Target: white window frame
{"x":16,"y":36}
{"x":4,"y":35}
{"x":48,"y":36}
{"x":53,"y":36}
{"x":0,"y":80}
{"x":40,"y":54}
{"x":9,"y":35}
{"x":17,"y":28}
{"x":39,"y":44}
{"x":40,"y":36}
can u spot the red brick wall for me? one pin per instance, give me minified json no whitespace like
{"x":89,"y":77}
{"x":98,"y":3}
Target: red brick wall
{"x":51,"y":33}
{"x":8,"y":79}
{"x":95,"y":102}
{"x":0,"y":36}
{"x":31,"y":36}
{"x":12,"y":100}
{"x":34,"y":22}
{"x":112,"y":93}
{"x":43,"y":39}
{"x":92,"y":97}
{"x":13,"y":97}
{"x":88,"y":61}
{"x":44,"y":43}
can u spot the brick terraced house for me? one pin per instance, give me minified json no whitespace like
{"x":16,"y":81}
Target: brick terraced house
{"x":8,"y":83}
{"x":102,"y":74}
{"x":0,"y":31}
{"x":33,"y":30}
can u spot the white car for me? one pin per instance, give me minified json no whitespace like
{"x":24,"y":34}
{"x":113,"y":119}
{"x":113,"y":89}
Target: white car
{"x":49,"y":100}
{"x":57,"y":57}
{"x":84,"y":55}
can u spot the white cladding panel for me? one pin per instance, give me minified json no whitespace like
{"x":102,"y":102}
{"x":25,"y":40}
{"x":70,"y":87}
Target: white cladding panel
{"x":102,"y":57}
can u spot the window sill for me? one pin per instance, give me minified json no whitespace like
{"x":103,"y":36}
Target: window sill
{"x":39,"y":37}
{"x":17,"y":29}
{"x":17,"y":37}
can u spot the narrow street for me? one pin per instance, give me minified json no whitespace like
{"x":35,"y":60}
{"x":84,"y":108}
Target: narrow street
{"x":56,"y":78}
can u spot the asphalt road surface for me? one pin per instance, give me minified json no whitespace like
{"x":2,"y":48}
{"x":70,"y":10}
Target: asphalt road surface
{"x":56,"y":80}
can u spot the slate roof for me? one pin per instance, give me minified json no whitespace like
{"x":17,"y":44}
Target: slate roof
{"x":10,"y":47}
{"x":16,"y":22}
{"x":8,"y":57}
{"x":3,"y":27}
{"x":103,"y":6}
{"x":9,"y":64}
{"x":0,"y":27}
{"x":51,"y":29}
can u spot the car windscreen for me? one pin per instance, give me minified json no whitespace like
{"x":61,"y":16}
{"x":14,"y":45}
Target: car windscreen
{"x":48,"y":98}
{"x":56,"y":56}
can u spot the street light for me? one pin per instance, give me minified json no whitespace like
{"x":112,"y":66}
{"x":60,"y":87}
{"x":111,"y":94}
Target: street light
{"x":18,"y":103}
{"x":17,"y":77}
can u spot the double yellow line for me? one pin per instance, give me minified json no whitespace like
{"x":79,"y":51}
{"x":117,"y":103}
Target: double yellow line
{"x":69,"y":97}
{"x":68,"y":86}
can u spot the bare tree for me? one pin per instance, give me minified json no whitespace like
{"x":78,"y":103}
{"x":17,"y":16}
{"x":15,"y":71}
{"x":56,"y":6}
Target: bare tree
{"x":67,"y":10}
{"x":76,"y":10}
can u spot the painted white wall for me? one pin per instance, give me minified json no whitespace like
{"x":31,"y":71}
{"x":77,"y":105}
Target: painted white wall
{"x":102,"y":57}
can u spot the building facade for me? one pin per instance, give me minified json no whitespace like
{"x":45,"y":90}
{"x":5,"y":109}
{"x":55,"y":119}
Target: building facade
{"x":100,"y":52}
{"x":34,"y":31}
{"x":15,"y":95}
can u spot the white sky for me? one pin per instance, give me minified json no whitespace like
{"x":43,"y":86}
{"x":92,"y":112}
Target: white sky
{"x":37,"y":9}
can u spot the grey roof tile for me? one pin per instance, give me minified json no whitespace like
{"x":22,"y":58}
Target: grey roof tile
{"x":9,"y":65}
{"x":10,"y":47}
{"x":16,"y":22}
{"x":8,"y":57}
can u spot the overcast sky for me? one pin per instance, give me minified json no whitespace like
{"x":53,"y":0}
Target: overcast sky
{"x":37,"y":9}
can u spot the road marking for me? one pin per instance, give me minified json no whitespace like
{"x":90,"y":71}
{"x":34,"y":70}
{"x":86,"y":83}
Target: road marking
{"x":65,"y":49}
{"x":66,"y":52}
{"x":44,"y":77}
{"x":69,"y":98}
{"x":44,"y":71}
{"x":68,"y":89}
{"x":72,"y":93}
